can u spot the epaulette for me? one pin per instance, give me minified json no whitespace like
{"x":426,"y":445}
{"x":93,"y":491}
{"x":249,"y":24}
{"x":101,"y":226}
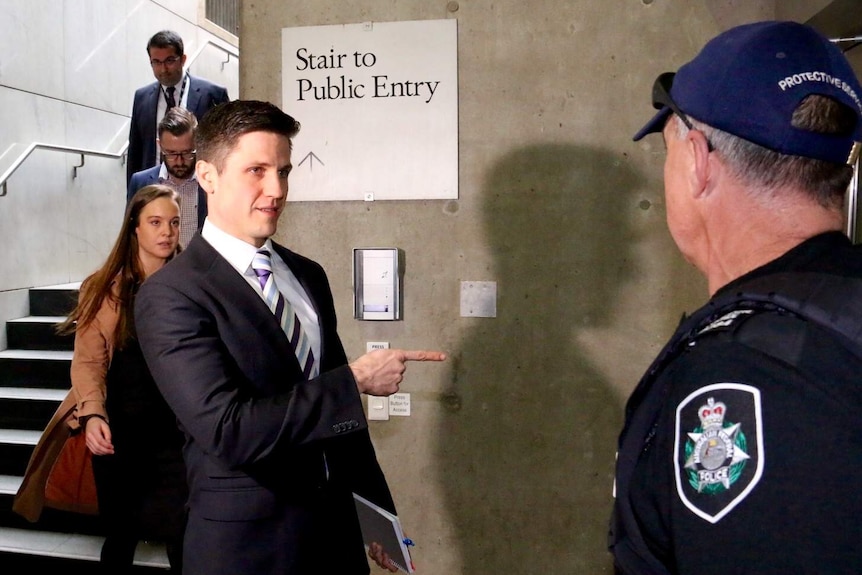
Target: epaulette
{"x":726,"y":322}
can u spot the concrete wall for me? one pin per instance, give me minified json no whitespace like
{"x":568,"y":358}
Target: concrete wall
{"x":68,"y":70}
{"x":505,"y":465}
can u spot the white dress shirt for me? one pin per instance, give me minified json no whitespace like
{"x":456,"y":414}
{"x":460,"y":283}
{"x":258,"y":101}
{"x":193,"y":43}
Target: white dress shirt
{"x":181,"y":95}
{"x":240,"y":254}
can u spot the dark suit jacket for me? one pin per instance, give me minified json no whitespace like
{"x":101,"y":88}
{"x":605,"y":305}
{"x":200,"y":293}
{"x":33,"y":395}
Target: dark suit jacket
{"x":151,"y":176}
{"x":203,"y":95}
{"x":262,"y":497}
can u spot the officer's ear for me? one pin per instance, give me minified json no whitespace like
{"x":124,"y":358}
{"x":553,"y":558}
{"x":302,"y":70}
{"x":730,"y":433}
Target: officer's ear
{"x":700,"y":150}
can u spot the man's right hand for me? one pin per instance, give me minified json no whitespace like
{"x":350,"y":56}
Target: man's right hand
{"x":381,"y":371}
{"x":379,"y":556}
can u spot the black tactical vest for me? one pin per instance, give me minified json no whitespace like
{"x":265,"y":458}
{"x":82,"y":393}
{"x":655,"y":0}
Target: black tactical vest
{"x":833,"y":302}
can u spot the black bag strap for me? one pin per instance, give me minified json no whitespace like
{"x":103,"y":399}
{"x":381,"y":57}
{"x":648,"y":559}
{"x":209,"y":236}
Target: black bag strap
{"x":832,"y":302}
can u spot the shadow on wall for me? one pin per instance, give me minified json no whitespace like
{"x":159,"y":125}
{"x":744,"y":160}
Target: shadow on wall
{"x":528,"y":436}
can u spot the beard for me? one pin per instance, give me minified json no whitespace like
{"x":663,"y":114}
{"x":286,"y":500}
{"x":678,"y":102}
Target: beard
{"x":180,"y":172}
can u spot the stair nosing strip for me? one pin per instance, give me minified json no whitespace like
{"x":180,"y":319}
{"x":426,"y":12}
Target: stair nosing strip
{"x":146,"y":554}
{"x":33,"y":393}
{"x":40,"y":319}
{"x":41,"y":354}
{"x":20,"y":436}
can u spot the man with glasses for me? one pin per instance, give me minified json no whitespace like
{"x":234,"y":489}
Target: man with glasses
{"x":173,"y":87}
{"x":741,"y":445}
{"x":177,"y":144}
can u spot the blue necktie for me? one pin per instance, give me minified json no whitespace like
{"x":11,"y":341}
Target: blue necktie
{"x":281,"y":308}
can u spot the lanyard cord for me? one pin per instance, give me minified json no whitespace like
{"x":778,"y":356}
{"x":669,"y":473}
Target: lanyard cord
{"x":182,"y":90}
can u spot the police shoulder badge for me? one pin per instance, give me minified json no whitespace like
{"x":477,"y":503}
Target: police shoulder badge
{"x":719,"y":454}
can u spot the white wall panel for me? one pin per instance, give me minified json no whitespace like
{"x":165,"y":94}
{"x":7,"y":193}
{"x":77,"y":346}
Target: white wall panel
{"x":31,"y":46}
{"x":96,"y":54}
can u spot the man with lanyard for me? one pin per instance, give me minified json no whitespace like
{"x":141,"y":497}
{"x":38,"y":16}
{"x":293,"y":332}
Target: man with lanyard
{"x":177,"y":145}
{"x":741,"y":445}
{"x":173,"y":87}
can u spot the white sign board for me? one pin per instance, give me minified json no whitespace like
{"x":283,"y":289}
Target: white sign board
{"x":378,"y":104}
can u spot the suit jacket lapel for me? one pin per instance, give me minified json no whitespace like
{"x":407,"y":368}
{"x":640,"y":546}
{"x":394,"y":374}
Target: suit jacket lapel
{"x":311,"y":290}
{"x":154,"y":175}
{"x":150,"y":106}
{"x":290,"y":260}
{"x":194,"y":98}
{"x":229,"y":286}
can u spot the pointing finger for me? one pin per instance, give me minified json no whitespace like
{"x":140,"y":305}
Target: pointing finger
{"x":420,"y":355}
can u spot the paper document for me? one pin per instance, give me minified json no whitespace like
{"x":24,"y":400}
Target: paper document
{"x":381,"y":526}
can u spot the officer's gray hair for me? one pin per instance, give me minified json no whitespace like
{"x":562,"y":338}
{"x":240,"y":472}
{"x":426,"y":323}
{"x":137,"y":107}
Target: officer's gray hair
{"x":769,"y":171}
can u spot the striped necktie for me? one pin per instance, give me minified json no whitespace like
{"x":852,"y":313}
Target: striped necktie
{"x":283,"y":311}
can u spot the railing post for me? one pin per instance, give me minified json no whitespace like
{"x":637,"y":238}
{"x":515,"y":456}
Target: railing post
{"x":75,"y":168}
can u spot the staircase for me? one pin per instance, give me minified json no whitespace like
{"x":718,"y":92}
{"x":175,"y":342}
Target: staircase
{"x":34,"y":379}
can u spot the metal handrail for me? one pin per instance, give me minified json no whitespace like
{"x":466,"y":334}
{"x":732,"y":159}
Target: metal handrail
{"x":67,"y":149}
{"x":229,"y":51}
{"x":85,"y":152}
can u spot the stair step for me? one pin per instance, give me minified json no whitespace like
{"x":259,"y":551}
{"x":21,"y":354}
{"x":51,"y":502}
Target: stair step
{"x":16,"y":447}
{"x":9,"y":484}
{"x":28,"y":408}
{"x":57,"y":300}
{"x":35,"y":368}
{"x":38,"y":333}
{"x":75,"y":546}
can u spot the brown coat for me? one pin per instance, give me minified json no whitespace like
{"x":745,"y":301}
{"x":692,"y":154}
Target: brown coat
{"x":41,"y":470}
{"x":94,"y":349}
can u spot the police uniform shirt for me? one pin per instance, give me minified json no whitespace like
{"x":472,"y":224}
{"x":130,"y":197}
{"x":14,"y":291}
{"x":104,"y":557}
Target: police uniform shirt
{"x":755,"y":460}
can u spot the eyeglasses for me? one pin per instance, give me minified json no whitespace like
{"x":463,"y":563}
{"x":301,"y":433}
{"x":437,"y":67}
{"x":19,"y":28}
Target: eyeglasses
{"x":177,"y":155}
{"x":166,"y":62}
{"x":661,"y":98}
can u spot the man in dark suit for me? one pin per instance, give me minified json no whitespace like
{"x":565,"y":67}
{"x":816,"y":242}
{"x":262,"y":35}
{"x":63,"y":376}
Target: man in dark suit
{"x":276,"y":438}
{"x":177,"y":170}
{"x":173,"y":87}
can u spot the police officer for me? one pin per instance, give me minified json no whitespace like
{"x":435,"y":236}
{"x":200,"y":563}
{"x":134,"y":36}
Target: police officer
{"x":742,"y":445}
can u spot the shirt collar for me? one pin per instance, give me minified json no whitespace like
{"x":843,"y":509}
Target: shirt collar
{"x":179,"y":85}
{"x":238,"y":253}
{"x":809,"y":255}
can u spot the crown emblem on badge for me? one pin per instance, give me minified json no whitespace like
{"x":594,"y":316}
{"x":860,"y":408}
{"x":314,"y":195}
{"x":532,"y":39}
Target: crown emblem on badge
{"x":715,"y":454}
{"x":712,"y":413}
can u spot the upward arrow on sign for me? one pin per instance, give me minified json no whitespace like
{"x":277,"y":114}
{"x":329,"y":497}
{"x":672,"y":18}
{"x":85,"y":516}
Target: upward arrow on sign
{"x":311,"y":156}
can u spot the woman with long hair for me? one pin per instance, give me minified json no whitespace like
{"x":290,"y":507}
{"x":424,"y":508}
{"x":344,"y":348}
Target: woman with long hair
{"x":133,"y":435}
